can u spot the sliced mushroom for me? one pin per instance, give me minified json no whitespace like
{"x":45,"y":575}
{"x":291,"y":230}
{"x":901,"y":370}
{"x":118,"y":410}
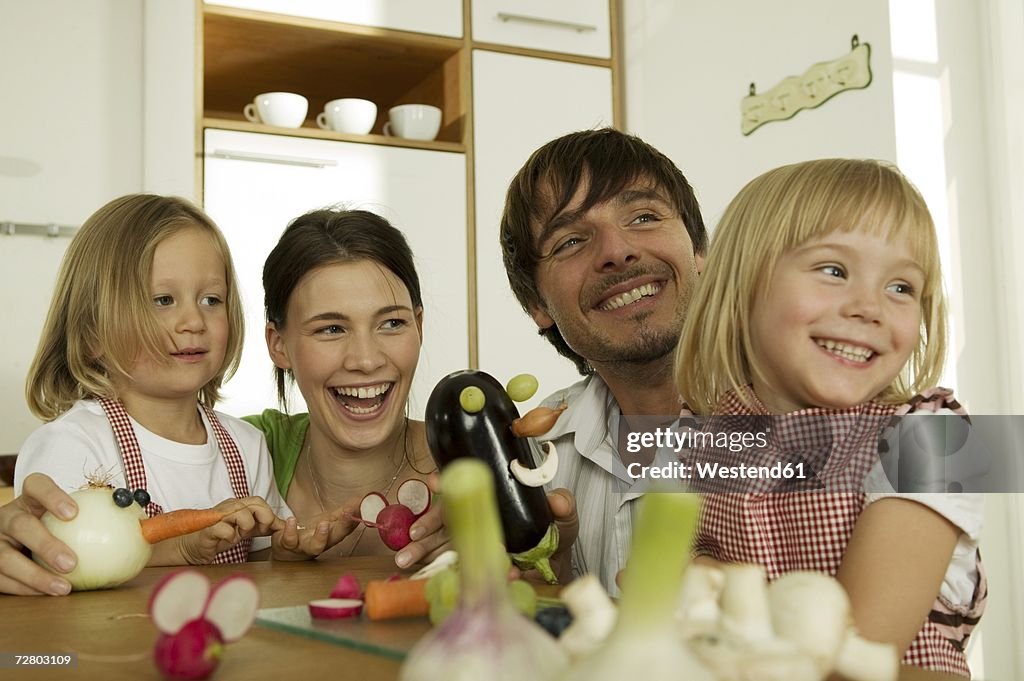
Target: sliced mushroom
{"x":542,"y":474}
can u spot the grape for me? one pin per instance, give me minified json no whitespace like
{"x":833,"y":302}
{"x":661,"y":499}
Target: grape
{"x":522,"y":387}
{"x":472,"y":399}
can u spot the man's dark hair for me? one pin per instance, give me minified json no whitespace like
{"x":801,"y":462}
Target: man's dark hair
{"x":610,"y":161}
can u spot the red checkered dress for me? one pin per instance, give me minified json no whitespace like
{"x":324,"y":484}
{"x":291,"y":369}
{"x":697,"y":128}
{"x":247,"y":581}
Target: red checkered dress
{"x":135,"y":470}
{"x":787,"y":531}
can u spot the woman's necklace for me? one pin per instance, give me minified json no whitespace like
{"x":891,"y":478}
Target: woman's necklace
{"x":319,"y":497}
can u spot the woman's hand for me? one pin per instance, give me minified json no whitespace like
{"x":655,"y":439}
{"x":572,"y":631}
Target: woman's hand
{"x":429,"y":535}
{"x":20,"y":528}
{"x":321,"y":533}
{"x":243,"y":519}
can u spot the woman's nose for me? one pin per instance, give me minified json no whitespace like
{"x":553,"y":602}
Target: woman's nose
{"x":364,"y":353}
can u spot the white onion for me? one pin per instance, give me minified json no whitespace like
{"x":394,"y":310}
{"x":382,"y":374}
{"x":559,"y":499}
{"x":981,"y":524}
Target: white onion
{"x":106,"y":538}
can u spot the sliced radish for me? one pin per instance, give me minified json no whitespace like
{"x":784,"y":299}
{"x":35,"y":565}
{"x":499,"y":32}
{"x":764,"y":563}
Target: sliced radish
{"x":335,"y":608}
{"x":347,"y":586}
{"x":178,"y":598}
{"x":415,"y":494}
{"x":232,"y":606}
{"x":372,"y":504}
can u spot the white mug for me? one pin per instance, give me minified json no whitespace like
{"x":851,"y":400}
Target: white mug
{"x":283,"y":109}
{"x":413,"y":121}
{"x":355,"y":116}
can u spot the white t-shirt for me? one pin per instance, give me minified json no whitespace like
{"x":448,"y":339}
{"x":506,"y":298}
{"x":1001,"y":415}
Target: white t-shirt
{"x":80,"y":444}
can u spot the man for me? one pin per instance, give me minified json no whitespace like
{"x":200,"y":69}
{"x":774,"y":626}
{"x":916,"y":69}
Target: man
{"x":603,"y":241}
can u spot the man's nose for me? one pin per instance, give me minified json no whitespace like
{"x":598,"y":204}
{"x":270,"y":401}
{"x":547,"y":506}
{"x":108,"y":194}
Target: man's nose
{"x":615,"y":249}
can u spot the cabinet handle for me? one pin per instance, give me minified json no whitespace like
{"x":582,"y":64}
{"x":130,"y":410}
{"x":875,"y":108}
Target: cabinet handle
{"x":273,"y":158}
{"x":527,"y":19}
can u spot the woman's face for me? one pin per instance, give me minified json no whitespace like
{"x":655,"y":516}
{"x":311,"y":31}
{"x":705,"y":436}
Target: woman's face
{"x":352,"y":340}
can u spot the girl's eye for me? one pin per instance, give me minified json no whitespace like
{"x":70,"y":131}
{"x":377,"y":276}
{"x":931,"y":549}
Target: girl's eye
{"x":833,"y":271}
{"x":163,"y":301}
{"x":211,"y":300}
{"x":902,"y":288}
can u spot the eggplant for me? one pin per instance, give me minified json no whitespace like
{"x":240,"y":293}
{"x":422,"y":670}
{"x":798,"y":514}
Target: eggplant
{"x":452,"y":433}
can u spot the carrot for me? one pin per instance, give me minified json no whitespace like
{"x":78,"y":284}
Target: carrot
{"x":537,"y":421}
{"x":401,"y":598}
{"x":177,"y":523}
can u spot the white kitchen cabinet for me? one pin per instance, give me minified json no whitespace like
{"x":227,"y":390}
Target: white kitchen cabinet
{"x":254,"y":184}
{"x":572,"y":26}
{"x":435,"y":17}
{"x":520,"y":103}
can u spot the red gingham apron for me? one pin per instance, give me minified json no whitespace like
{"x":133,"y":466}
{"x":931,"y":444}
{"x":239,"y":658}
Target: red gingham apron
{"x":135,"y":471}
{"x":787,"y":531}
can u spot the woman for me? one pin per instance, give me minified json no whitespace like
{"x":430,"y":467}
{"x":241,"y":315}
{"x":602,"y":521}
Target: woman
{"x":344,"y":322}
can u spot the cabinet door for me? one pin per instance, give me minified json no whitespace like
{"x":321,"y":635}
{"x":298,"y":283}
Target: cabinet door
{"x":519,"y":104}
{"x":436,"y":17}
{"x":423,"y":193}
{"x":571,"y":26}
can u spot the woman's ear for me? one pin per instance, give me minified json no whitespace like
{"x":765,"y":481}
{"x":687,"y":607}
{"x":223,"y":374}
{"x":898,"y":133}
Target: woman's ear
{"x":277,"y":348}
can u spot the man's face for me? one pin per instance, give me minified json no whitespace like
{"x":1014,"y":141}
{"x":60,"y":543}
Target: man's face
{"x":616,"y":279}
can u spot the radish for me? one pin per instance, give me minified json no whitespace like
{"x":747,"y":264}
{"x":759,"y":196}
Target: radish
{"x":393,"y":523}
{"x":191,"y":653}
{"x":347,"y":586}
{"x":195,"y":620}
{"x":335,"y":608}
{"x":415,"y":494}
{"x":372,"y":504}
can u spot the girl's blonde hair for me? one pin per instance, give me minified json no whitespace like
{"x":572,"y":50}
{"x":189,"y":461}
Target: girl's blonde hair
{"x":101,"y":317}
{"x":773,"y":214}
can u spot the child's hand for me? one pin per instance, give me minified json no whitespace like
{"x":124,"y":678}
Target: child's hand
{"x":319,"y":534}
{"x":243,"y":518}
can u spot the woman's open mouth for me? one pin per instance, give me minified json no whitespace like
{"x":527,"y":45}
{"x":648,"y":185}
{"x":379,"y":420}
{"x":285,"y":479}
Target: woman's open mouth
{"x":364,"y":399}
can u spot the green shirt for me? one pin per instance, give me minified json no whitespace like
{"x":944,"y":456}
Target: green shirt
{"x":285,"y":434}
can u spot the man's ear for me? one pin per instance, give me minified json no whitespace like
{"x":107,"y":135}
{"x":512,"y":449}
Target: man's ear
{"x":698,"y":260}
{"x":540,"y":317}
{"x":276,"y":347}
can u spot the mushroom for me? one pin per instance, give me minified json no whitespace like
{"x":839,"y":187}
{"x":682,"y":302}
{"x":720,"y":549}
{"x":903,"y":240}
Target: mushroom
{"x":542,"y":474}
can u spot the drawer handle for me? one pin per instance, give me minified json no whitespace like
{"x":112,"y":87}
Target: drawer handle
{"x":527,"y":19}
{"x":273,"y":158}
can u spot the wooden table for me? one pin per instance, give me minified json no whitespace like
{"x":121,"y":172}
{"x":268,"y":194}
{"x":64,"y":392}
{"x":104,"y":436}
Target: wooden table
{"x":113,"y":638}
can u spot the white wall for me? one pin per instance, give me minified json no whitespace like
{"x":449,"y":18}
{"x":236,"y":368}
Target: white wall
{"x":71,"y":126}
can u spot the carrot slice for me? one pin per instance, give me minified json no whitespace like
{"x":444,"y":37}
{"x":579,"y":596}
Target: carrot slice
{"x":401,"y":598}
{"x":177,"y":523}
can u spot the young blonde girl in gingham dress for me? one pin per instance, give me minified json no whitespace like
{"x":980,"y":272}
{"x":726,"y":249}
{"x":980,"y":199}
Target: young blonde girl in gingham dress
{"x":144,"y":325}
{"x":821,"y":311}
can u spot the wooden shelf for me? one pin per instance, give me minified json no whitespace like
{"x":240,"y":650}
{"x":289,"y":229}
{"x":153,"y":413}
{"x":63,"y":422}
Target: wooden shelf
{"x":247,"y":53}
{"x":317,"y":133}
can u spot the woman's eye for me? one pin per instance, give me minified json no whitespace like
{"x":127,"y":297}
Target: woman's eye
{"x":330,"y":330}
{"x":833,"y":271}
{"x":163,"y":301}
{"x":394,"y":324}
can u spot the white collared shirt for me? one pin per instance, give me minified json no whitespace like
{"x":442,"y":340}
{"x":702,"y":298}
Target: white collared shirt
{"x":585,"y":438}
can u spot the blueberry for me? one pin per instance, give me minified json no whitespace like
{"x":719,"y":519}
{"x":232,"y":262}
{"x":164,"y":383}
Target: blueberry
{"x":142,"y":497}
{"x":554,"y":620}
{"x":122,"y":497}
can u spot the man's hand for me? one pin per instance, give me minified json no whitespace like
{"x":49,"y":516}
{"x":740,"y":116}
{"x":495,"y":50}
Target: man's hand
{"x":20,"y":527}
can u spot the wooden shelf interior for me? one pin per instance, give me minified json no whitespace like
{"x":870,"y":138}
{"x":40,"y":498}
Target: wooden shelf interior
{"x":247,"y":53}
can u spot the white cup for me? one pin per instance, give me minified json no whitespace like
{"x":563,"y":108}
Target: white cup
{"x":355,"y":116}
{"x":283,"y":109}
{"x":413,"y":121}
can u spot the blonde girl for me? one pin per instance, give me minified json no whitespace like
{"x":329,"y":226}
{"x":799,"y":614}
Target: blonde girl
{"x":822,"y":298}
{"x":144,"y":325}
